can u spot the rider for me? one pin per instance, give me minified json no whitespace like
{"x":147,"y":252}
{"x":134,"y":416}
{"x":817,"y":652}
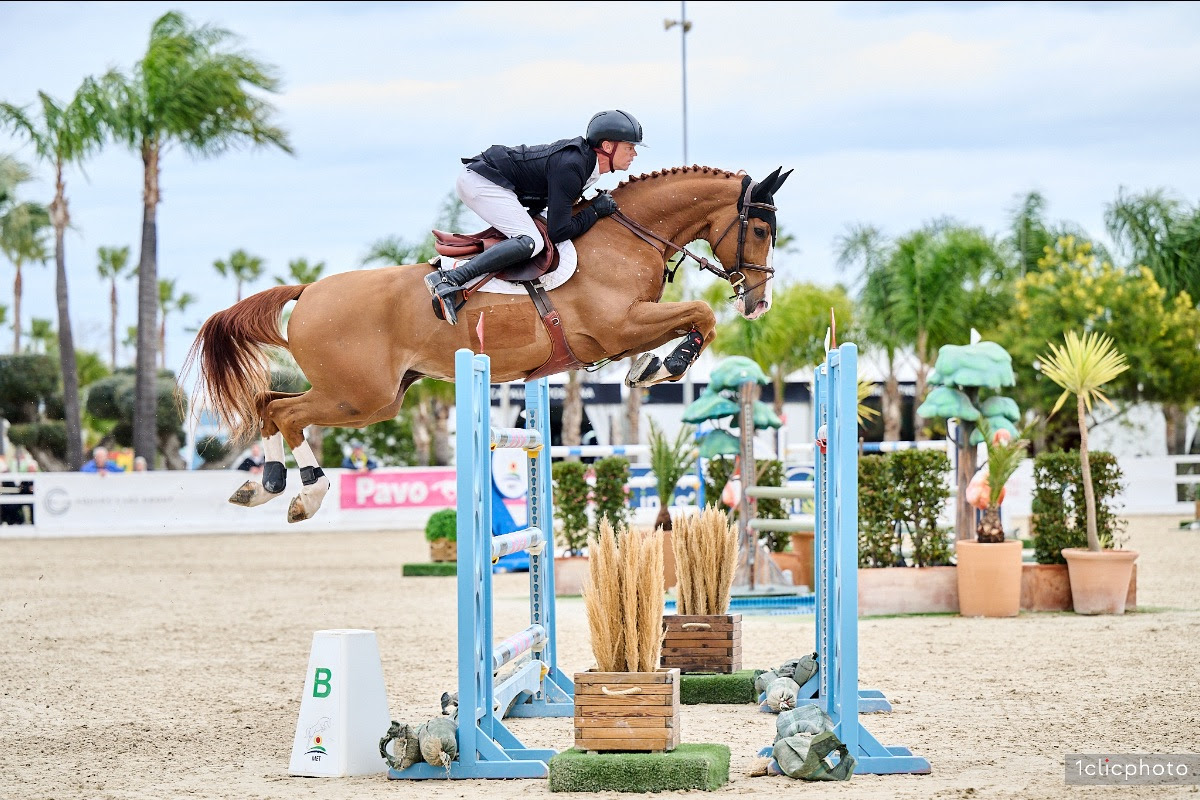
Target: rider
{"x":504,"y":185}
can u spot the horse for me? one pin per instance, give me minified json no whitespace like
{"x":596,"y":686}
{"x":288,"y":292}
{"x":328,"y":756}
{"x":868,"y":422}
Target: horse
{"x":362,"y":337}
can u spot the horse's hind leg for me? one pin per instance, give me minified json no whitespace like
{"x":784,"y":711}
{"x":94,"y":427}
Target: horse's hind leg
{"x":274,"y":476}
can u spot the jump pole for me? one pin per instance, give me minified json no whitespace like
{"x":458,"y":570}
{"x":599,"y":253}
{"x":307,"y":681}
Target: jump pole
{"x":486,"y":748}
{"x":836,"y":422}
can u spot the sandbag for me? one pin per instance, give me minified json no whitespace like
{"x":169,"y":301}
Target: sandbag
{"x":407,"y":750}
{"x":808,"y":718}
{"x":782,"y":694}
{"x":810,"y":757}
{"x":438,"y":740}
{"x":763,"y":680}
{"x":799,"y":669}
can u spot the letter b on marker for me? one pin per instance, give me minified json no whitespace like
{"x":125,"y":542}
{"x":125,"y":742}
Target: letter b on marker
{"x":322,"y":682}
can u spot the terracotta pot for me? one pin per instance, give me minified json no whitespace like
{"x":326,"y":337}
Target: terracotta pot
{"x":617,"y":711}
{"x":802,"y":546}
{"x":443,"y":550}
{"x":570,"y":573}
{"x":702,"y":643}
{"x":1046,"y":587}
{"x":989,"y":578}
{"x":1099,"y":580}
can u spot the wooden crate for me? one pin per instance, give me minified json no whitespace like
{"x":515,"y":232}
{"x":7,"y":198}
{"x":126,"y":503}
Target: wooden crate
{"x":443,"y":550}
{"x":617,"y":711}
{"x":702,"y":642}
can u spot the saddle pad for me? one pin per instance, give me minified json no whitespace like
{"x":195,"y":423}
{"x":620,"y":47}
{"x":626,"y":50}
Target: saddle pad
{"x":567,"y":261}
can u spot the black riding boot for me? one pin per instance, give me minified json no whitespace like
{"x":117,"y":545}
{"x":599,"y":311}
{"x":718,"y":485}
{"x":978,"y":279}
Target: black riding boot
{"x":443,"y":285}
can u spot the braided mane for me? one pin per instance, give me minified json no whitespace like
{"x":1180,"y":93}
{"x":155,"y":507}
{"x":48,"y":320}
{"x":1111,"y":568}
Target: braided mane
{"x":680,"y":171}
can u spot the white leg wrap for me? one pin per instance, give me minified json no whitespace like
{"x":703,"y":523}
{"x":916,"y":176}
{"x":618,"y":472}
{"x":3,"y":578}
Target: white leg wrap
{"x":305,"y":504}
{"x":273,"y":447}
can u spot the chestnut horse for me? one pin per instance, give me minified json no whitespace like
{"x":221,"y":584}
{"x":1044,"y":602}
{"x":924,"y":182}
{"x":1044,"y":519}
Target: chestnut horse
{"x":363,"y":337}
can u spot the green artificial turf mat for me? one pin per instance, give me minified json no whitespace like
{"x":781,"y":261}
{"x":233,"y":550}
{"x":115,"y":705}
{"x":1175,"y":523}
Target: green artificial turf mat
{"x":688,"y":766}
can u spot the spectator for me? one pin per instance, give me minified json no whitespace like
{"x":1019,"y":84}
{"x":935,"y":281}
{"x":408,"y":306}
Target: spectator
{"x":100,"y":463}
{"x":254,"y":460}
{"x":139,"y":464}
{"x":358,"y":460}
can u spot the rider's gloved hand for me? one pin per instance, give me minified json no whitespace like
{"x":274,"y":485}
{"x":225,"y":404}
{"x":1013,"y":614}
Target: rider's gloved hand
{"x":604,"y":205}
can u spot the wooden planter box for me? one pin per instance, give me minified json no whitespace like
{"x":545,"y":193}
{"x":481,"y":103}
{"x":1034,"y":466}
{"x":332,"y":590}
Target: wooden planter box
{"x":702,"y":643}
{"x":443,"y":550}
{"x":617,"y":711}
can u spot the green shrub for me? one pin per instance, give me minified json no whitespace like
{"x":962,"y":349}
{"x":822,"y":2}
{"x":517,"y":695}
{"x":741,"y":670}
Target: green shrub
{"x":878,"y":542}
{"x":212,"y":449}
{"x":442,"y":525}
{"x":571,"y":505}
{"x":716,"y":475}
{"x":1059,"y":515}
{"x":612,"y":474}
{"x":921,"y":492}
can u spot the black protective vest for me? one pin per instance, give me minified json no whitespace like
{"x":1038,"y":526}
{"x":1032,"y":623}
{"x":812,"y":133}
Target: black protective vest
{"x":524,"y":170}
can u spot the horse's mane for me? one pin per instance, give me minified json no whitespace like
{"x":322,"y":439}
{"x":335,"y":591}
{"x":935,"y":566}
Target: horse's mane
{"x":694,"y":169}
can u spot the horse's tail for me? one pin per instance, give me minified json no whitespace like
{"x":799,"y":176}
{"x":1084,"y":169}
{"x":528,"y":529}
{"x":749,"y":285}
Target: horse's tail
{"x":234,"y":368}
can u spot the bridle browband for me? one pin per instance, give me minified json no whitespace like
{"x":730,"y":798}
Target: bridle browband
{"x":742,"y":222}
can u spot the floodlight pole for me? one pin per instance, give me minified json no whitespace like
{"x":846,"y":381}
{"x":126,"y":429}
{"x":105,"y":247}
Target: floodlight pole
{"x":684,"y":26}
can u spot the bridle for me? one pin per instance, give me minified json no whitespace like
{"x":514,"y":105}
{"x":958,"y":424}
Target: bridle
{"x":736,"y":276}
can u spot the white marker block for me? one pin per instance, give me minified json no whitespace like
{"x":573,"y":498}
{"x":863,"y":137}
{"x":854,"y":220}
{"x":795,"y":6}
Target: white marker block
{"x":344,"y":710}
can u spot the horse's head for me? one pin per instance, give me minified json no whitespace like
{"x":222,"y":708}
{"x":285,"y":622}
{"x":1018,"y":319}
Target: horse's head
{"x":747,"y":242}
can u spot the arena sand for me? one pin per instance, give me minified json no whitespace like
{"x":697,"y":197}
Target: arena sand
{"x":171,"y":667}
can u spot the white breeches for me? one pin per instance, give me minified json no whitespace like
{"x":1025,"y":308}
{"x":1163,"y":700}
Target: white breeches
{"x":498,"y":207}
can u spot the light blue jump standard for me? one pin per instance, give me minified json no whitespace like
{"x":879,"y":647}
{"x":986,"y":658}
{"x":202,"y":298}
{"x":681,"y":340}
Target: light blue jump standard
{"x":486,"y":748}
{"x":836,"y":498}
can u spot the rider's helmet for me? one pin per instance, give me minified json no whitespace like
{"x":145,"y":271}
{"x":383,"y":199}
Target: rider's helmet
{"x":614,"y":126}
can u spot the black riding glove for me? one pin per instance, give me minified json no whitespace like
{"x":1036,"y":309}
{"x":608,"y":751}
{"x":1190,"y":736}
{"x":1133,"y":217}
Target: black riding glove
{"x":604,"y":205}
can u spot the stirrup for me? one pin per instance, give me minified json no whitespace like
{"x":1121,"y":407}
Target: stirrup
{"x":435,"y":280}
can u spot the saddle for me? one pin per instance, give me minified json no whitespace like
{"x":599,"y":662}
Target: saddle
{"x":464,"y":245}
{"x":528,"y":274}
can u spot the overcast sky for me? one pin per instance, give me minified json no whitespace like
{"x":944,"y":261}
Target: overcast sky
{"x":891,"y":113}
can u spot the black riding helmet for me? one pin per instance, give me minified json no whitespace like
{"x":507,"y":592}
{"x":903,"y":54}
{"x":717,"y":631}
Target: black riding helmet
{"x":614,"y":126}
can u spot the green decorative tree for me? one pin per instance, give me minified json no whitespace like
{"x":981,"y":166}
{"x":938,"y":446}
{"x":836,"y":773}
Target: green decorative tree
{"x":959,"y":375}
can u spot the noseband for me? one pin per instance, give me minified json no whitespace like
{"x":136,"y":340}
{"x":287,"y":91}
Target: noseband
{"x":736,"y":276}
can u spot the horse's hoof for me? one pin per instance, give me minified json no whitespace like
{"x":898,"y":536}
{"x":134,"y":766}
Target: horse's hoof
{"x":251,"y":494}
{"x":296,"y":510}
{"x":645,"y":367}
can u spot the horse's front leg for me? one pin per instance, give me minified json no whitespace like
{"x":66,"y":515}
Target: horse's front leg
{"x":652,"y":325}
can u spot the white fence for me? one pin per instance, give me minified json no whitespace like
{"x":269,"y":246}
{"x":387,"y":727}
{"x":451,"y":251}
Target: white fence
{"x":140,"y":503}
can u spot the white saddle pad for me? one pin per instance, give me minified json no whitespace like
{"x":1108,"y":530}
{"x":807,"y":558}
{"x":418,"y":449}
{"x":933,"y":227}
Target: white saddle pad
{"x":567,"y":261}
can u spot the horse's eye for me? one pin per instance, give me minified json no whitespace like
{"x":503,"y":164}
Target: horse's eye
{"x":760,"y":233}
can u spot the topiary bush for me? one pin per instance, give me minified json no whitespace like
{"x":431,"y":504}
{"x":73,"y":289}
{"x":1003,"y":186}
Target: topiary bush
{"x":1059,"y":515}
{"x":612,"y":473}
{"x":571,"y":505}
{"x":442,"y":525}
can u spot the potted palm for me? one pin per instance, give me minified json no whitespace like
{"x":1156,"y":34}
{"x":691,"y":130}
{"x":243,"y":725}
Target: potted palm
{"x":626,"y":702}
{"x":441,"y":531}
{"x":1081,"y":366}
{"x":989,"y":568}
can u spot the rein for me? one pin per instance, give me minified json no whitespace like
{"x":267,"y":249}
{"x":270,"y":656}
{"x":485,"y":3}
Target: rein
{"x":743,"y":222}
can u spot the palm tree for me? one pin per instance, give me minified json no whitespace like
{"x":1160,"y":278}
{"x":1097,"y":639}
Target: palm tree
{"x":41,"y":336}
{"x":242,"y":267}
{"x":64,"y":135}
{"x":1081,"y":366}
{"x":168,"y":302}
{"x":191,"y":89}
{"x":300,"y":271}
{"x":23,"y":240}
{"x":670,"y":461}
{"x":866,"y":247}
{"x":113,"y":262}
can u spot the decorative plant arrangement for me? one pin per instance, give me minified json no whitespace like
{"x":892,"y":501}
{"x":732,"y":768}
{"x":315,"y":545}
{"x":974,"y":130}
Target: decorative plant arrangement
{"x":702,"y":636}
{"x":670,"y":461}
{"x":626,"y":702}
{"x":1099,"y":577}
{"x":441,"y":531}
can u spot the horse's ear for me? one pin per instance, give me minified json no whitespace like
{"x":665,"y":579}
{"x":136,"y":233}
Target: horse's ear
{"x":780,"y":180}
{"x":765,"y":185}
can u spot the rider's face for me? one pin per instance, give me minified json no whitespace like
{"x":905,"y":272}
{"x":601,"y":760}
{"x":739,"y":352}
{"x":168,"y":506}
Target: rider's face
{"x":624,"y":156}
